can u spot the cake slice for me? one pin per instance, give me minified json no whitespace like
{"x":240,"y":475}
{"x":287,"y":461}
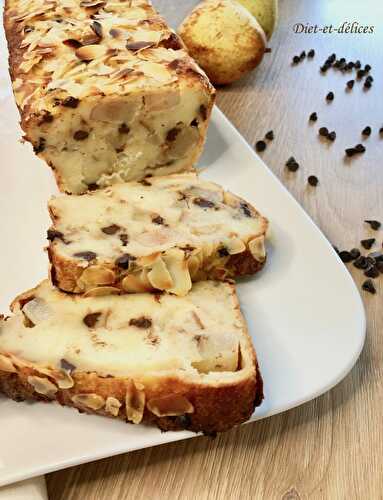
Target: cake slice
{"x":105,"y":89}
{"x":160,"y":234}
{"x":179,"y":362}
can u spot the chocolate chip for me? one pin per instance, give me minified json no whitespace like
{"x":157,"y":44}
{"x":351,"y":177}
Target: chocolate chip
{"x":366,"y":131}
{"x":361,"y":262}
{"x":350,"y":84}
{"x":350,"y":65}
{"x":70,"y":102}
{"x":377,"y":256}
{"x":345,"y":256}
{"x":313,"y":117}
{"x":374,"y":224}
{"x":358,"y":64}
{"x":80,"y":135}
{"x":91,"y":319}
{"x":46,"y":117}
{"x":124,"y":260}
{"x":112,"y":229}
{"x":296,"y":60}
{"x":312,"y":180}
{"x":194,"y":123}
{"x":172,"y":134}
{"x":124,"y":239}
{"x":355,"y":253}
{"x":367,"y":243}
{"x":323,"y":132}
{"x":372,"y":272}
{"x":135,"y":46}
{"x":40,"y":146}
{"x":172,"y":42}
{"x":369,"y":286}
{"x":350,"y":152}
{"x":311,"y":53}
{"x":260,"y":146}
{"x":85,"y":255}
{"x":369,"y":79}
{"x":73,"y":44}
{"x":292,"y":164}
{"x":367,"y":68}
{"x":381,"y":131}
{"x":330,"y":96}
{"x":331,"y":58}
{"x":302,"y":55}
{"x":370,"y":260}
{"x":141,"y":322}
{"x":158,"y":220}
{"x":332,"y":136}
{"x":92,"y":186}
{"x":245,"y":208}
{"x":97,"y":28}
{"x":202,"y":202}
{"x":66,"y":366}
{"x":144,"y":182}
{"x":359,"y":148}
{"x":367,"y":84}
{"x":222,"y":252}
{"x":53,"y":233}
{"x":270,"y":135}
{"x":124,"y":129}
{"x":324,"y":68}
{"x":203,"y":112}
{"x":360,"y":74}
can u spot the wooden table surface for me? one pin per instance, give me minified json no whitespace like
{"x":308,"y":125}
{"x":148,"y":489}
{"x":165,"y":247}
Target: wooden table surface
{"x":329,"y":448}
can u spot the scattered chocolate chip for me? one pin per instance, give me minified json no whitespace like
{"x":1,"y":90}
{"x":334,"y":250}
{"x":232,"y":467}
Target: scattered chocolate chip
{"x":144,"y":182}
{"x":367,"y":84}
{"x":202,"y":202}
{"x":172,"y":134}
{"x":323,"y":132}
{"x":194,"y":123}
{"x":158,"y":220}
{"x":367,"y":243}
{"x":312,"y":180}
{"x":302,"y":55}
{"x":369,"y":286}
{"x":260,"y":146}
{"x":367,"y":68}
{"x":355,"y":253}
{"x":245,"y":208}
{"x":80,"y":135}
{"x":66,"y":366}
{"x":40,"y":146}
{"x":85,"y":255}
{"x":135,"y":46}
{"x":73,"y":44}
{"x":350,"y":84}
{"x":379,"y":266}
{"x":97,"y":28}
{"x":222,"y":252}
{"x":332,"y":136}
{"x":324,"y":68}
{"x":372,"y":272}
{"x":141,"y":322}
{"x":123,"y":128}
{"x":330,"y":96}
{"x":350,"y":152}
{"x":311,"y":53}
{"x":370,"y":260}
{"x":53,"y":233}
{"x":360,"y":74}
{"x":361,"y":262}
{"x":331,"y":58}
{"x":359,"y":148}
{"x":70,"y":102}
{"x":91,"y":319}
{"x":381,"y":131}
{"x":357,"y":64}
{"x":366,"y":131}
{"x":270,"y":135}
{"x":112,"y":229}
{"x":369,"y":79}
{"x":296,"y":60}
{"x":313,"y":117}
{"x":374,"y":224}
{"x":292,"y":165}
{"x":46,"y":117}
{"x":350,"y":65}
{"x":92,"y":186}
{"x":203,"y":112}
{"x":172,"y":42}
{"x":124,"y":260}
{"x":345,"y":256}
{"x":124,"y":239}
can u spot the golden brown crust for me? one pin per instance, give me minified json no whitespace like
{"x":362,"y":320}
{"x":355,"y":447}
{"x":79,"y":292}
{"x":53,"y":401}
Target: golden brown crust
{"x":216,"y":408}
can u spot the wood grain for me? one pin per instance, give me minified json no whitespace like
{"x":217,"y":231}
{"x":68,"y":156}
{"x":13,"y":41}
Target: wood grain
{"x":330,"y":448}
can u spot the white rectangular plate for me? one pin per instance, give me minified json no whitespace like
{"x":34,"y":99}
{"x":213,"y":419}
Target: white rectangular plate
{"x":304,"y":312}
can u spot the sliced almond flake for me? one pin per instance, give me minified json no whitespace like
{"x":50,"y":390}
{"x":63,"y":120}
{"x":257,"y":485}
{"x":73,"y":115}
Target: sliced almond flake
{"x":155,"y":71}
{"x":146,"y":36}
{"x":28,"y":65}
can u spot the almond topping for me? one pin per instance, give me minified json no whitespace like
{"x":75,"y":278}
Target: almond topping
{"x":171,"y":405}
{"x":90,"y":52}
{"x":6,"y":364}
{"x":135,"y":402}
{"x":42,"y":386}
{"x":257,"y":248}
{"x":159,"y":276}
{"x":92,"y":401}
{"x":101,"y":291}
{"x":97,"y":275}
{"x":112,"y":406}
